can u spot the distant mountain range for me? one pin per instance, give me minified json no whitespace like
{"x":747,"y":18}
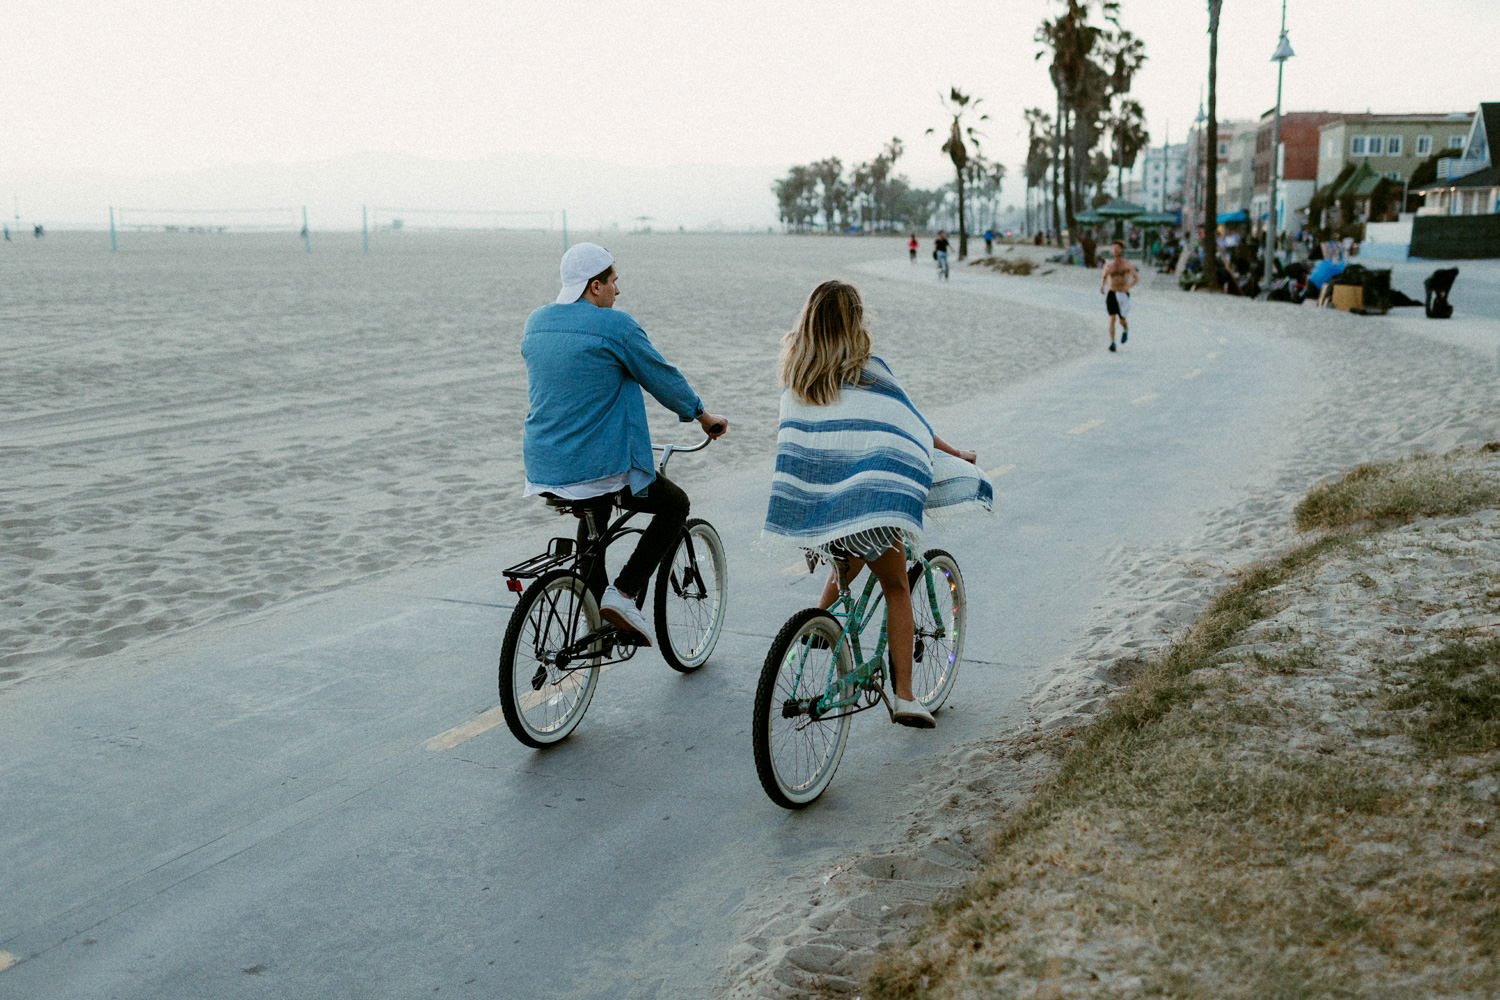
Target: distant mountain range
{"x":596,"y":195}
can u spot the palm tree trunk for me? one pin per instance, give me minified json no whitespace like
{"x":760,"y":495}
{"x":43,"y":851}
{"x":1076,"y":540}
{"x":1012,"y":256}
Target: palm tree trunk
{"x":1056,"y":167}
{"x":963,"y":233}
{"x":1070,"y":176}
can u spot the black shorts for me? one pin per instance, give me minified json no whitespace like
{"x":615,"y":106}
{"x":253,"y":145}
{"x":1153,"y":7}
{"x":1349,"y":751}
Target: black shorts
{"x":1117,"y":303}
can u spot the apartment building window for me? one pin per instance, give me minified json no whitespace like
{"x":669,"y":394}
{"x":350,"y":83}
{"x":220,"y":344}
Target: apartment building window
{"x":1424,"y":145}
{"x":1223,"y":149}
{"x":1357,"y":146}
{"x":1456,"y":142}
{"x":1393,"y":145}
{"x":1374,"y":144}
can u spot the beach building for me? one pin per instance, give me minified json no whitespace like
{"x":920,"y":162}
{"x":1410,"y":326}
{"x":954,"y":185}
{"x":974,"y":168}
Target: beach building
{"x":1162,"y":172}
{"x":1461,"y":217}
{"x":1198,"y":160}
{"x":1297,"y":163}
{"x":1393,"y":145}
{"x":1237,"y":174}
{"x":1469,"y":184}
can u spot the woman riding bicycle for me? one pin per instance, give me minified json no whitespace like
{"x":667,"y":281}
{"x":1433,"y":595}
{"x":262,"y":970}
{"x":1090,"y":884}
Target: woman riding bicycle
{"x":586,"y":435}
{"x":857,"y":464}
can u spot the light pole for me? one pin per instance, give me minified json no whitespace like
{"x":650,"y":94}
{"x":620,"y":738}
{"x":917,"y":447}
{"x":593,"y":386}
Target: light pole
{"x":1199,"y":210}
{"x":1279,"y":57}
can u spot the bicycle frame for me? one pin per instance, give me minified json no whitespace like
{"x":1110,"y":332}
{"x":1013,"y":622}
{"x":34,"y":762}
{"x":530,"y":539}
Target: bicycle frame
{"x":579,"y":555}
{"x":844,"y":694}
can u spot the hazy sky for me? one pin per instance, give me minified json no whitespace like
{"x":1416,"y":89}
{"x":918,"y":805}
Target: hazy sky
{"x":142,"y":87}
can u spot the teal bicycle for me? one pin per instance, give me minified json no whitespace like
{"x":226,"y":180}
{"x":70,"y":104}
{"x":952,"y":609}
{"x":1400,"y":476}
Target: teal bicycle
{"x":817,"y":675}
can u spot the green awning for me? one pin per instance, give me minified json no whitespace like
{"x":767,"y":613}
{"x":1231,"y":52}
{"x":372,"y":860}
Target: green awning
{"x":1361,"y":183}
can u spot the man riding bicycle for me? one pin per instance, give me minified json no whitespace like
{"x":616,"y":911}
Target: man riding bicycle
{"x":586,"y":436}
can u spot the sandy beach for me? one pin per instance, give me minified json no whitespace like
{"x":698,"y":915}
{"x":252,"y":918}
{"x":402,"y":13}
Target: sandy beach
{"x":198,"y":429}
{"x":208,"y":432}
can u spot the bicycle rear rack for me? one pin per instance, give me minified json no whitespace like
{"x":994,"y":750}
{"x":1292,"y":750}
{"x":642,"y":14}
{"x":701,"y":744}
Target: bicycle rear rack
{"x":559,"y":551}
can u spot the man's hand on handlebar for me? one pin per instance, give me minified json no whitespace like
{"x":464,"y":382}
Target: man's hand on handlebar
{"x":713,"y":425}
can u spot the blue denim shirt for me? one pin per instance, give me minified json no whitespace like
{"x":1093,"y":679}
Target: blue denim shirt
{"x":586,"y":419}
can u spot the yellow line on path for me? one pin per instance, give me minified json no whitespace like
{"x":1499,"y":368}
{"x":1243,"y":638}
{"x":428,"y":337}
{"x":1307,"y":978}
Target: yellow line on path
{"x":481,"y":723}
{"x":1087,"y":426}
{"x":1000,"y":470}
{"x":1223,"y":340}
{"x":1148,"y":397}
{"x":6,"y":960}
{"x":1194,"y":373}
{"x":1212,"y":355}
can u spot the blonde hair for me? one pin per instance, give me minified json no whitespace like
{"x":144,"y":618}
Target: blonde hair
{"x":828,"y":346}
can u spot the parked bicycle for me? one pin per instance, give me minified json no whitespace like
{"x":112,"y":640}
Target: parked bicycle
{"x":816,"y":676}
{"x":556,"y":643}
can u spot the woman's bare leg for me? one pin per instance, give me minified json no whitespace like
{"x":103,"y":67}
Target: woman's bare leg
{"x":890,"y":570}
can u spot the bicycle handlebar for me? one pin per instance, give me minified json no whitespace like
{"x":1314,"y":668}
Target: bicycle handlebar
{"x":668,"y":450}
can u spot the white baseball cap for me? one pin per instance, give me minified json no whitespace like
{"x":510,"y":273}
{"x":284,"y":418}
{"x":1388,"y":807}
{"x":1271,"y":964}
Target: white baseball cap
{"x":582,"y":262}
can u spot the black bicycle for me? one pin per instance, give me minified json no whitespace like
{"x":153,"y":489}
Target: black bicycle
{"x":557,"y":643}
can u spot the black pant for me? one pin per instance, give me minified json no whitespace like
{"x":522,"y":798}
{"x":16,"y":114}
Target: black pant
{"x":668,"y":507}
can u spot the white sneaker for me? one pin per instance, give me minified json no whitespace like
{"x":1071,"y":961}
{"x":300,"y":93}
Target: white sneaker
{"x":911,"y":713}
{"x":621,"y":612}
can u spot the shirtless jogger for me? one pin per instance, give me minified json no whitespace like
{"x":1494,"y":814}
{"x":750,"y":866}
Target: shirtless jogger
{"x":1121,"y":276}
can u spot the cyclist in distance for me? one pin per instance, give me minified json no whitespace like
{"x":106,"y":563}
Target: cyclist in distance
{"x":586,"y":434}
{"x":940,"y":252}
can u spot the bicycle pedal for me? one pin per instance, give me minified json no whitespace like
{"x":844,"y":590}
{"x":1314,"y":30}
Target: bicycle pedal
{"x":629,"y":640}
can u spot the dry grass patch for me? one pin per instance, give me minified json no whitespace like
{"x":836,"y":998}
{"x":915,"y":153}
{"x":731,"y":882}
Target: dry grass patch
{"x":1005,"y":265}
{"x":1265,"y":820}
{"x":1399,"y":491}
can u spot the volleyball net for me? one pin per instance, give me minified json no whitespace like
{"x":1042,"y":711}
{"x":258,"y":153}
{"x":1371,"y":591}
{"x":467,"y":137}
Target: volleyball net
{"x":383,"y":222}
{"x":389,"y":219}
{"x":288,"y":219}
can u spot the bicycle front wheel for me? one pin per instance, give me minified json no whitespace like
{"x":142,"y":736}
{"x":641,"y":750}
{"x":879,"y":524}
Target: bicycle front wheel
{"x":796,"y":749}
{"x":939,"y":612}
{"x":545,"y":686}
{"x":692,"y":589}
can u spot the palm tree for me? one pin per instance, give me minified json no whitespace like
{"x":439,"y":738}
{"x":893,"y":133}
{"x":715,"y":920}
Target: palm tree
{"x":1211,"y":153}
{"x":1038,"y":132}
{"x":1128,"y":136}
{"x":957,"y":106}
{"x":1081,"y":94}
{"x":829,"y":174}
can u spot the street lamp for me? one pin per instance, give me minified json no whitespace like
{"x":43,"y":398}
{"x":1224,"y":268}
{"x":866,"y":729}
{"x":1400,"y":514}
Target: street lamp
{"x":1279,"y":57}
{"x":1199,"y":192}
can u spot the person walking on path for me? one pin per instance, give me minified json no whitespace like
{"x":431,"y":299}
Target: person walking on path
{"x":911,"y":248}
{"x":858,"y":467}
{"x":1115,"y":282}
{"x":586,"y":437}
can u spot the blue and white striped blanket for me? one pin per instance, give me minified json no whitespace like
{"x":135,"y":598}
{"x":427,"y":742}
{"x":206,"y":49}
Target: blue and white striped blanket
{"x":864,"y":461}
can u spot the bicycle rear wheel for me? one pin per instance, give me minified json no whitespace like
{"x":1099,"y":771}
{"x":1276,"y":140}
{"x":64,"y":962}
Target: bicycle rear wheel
{"x":543,"y":699}
{"x":939,"y":612}
{"x":796,"y":753}
{"x":692,"y":589}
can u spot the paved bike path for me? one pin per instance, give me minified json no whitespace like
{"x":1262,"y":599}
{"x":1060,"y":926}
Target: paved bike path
{"x":309,"y":803}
